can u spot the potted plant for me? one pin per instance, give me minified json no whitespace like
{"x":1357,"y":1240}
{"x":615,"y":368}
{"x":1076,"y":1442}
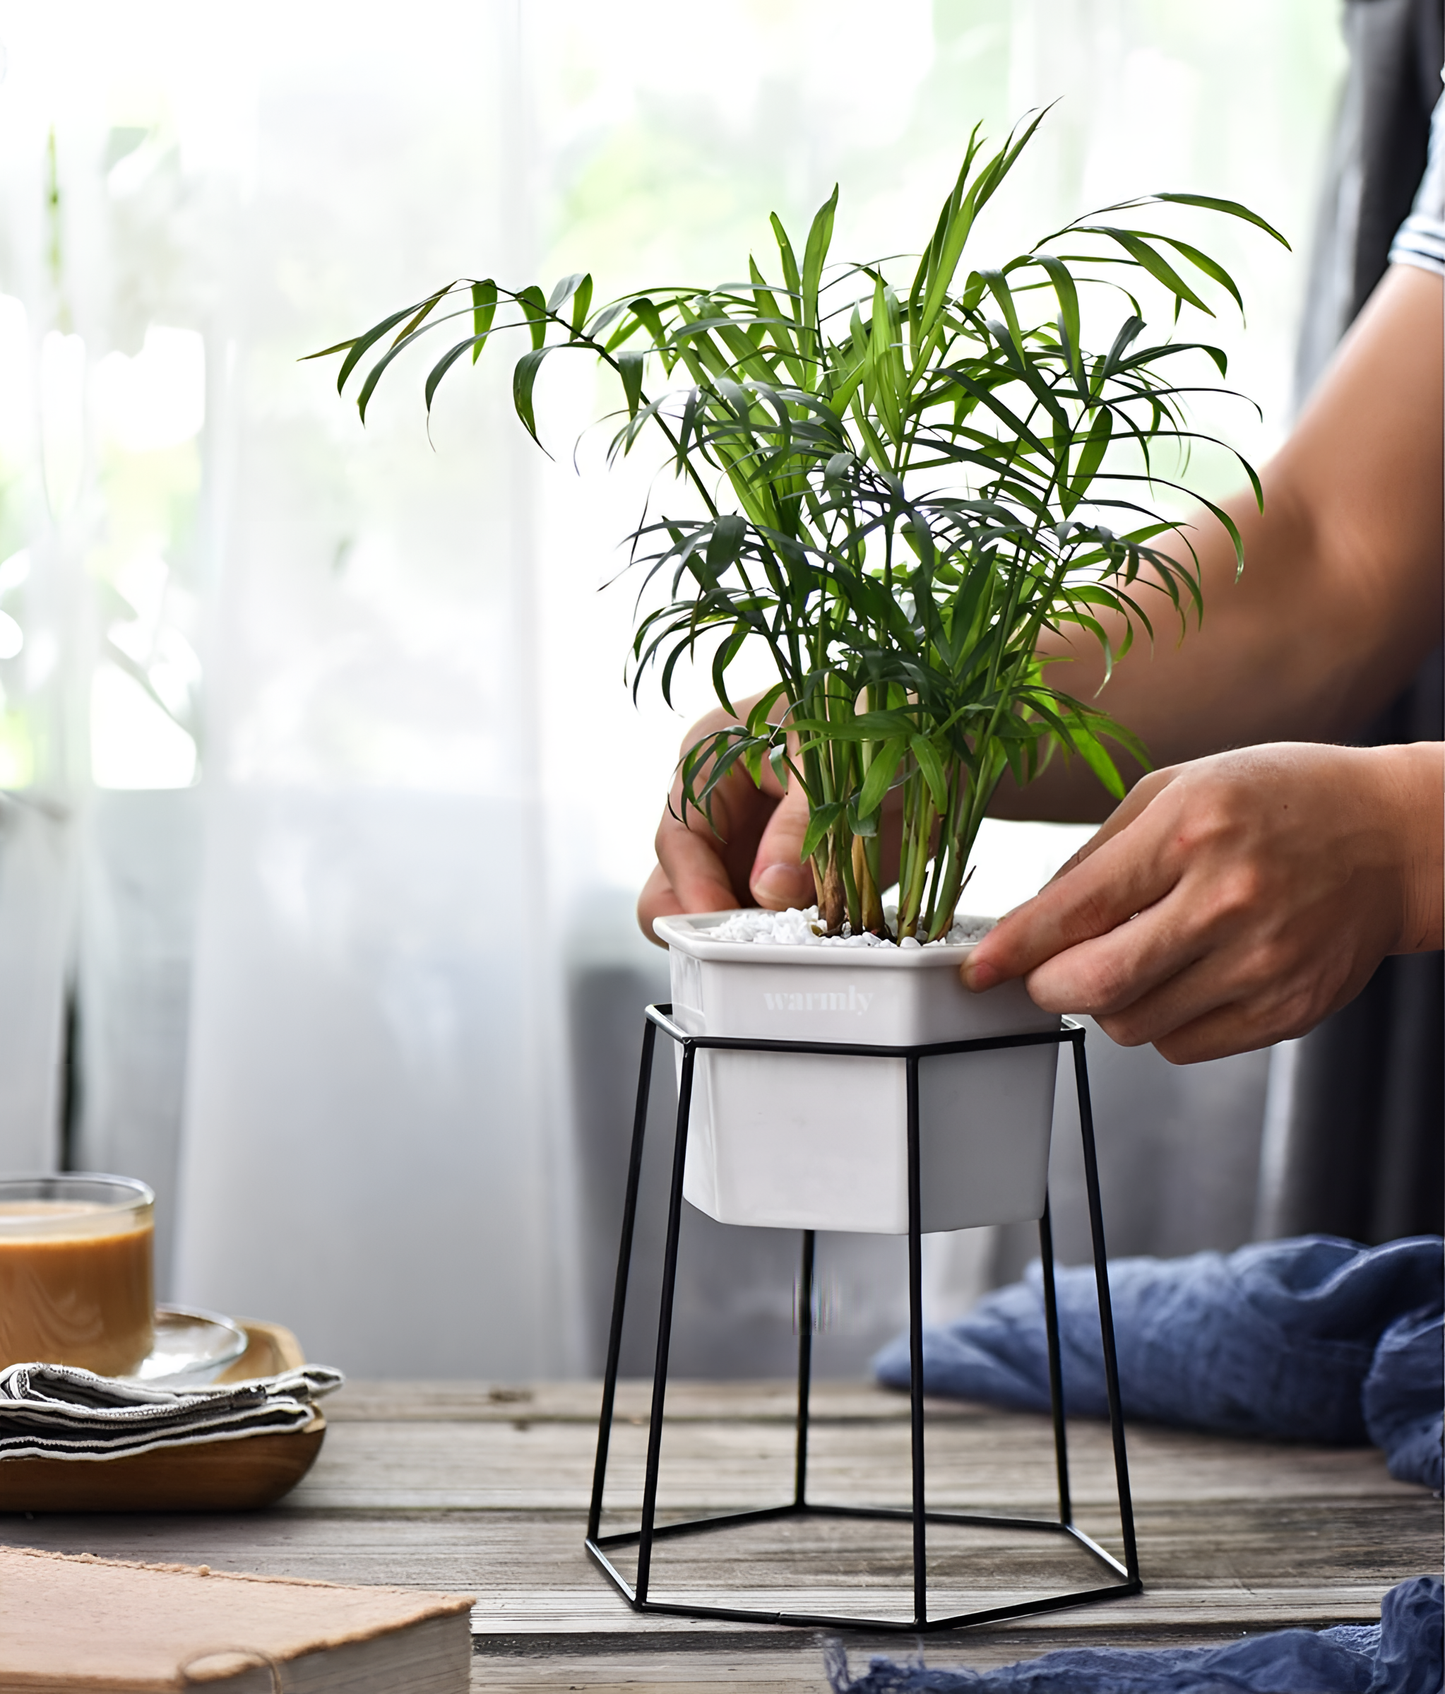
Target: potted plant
{"x":893,"y":481}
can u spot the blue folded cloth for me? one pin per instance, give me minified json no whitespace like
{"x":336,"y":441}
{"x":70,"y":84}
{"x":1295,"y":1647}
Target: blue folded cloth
{"x":1399,"y":1655}
{"x":1313,"y":1339}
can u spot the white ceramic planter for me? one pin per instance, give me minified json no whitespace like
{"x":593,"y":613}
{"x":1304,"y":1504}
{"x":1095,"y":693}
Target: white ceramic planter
{"x":804,"y":1141}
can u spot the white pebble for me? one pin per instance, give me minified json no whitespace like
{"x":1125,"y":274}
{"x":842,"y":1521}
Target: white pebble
{"x":966,"y":931}
{"x":799,"y":928}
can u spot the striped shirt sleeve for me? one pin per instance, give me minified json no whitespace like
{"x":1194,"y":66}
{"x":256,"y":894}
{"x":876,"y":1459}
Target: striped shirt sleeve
{"x":1420,"y":240}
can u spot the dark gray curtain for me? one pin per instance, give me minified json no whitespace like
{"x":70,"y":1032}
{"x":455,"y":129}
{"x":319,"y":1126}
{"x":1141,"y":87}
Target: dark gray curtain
{"x":1377,"y":156}
{"x":1367,"y":1116}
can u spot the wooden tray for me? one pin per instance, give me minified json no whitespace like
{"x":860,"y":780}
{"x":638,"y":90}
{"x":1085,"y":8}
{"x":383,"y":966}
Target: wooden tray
{"x":237,"y":1475}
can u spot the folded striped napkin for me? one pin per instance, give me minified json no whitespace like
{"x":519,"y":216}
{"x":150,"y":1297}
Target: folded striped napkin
{"x":60,"y":1412}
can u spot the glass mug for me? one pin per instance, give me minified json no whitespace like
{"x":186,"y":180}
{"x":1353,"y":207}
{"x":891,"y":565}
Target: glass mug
{"x":76,"y":1277}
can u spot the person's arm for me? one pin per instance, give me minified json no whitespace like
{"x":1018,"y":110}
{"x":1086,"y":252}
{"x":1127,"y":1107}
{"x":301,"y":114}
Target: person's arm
{"x":1236,"y":900}
{"x":1341,"y":595}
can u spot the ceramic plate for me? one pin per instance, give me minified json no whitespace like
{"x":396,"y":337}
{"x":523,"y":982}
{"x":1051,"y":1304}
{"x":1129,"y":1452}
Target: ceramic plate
{"x":191,"y":1348}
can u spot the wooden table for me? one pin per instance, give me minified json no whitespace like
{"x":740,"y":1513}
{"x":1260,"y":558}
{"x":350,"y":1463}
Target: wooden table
{"x":465,"y":1486}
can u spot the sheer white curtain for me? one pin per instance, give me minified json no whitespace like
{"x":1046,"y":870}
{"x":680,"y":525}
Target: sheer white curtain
{"x":324,"y":779}
{"x":369,"y":1116}
{"x":329,"y":959}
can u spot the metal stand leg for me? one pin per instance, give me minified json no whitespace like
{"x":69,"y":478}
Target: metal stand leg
{"x":664,"y":1327}
{"x":915,"y":1352}
{"x":1106,"y":1311}
{"x":1056,"y":1373}
{"x":917,"y":1516}
{"x":805,"y":1368}
{"x":619,"y":1290}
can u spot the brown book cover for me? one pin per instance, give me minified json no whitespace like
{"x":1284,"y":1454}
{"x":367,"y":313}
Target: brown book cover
{"x":104,"y":1626}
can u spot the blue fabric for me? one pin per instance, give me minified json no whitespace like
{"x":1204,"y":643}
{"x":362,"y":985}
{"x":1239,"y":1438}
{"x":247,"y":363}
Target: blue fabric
{"x":1399,"y":1655}
{"x":1402,"y":1397}
{"x":1314,"y":1339}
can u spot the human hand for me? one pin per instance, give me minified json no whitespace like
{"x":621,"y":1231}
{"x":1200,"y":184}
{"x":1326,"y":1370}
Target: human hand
{"x":750,"y":857}
{"x":1235,"y":901}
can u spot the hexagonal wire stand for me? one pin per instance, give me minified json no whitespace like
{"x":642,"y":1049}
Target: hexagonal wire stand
{"x":644,"y":1538}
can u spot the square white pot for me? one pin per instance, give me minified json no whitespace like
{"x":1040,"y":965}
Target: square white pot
{"x":807,"y":1141}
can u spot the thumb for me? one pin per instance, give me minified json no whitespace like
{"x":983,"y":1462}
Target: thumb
{"x":779,"y":877}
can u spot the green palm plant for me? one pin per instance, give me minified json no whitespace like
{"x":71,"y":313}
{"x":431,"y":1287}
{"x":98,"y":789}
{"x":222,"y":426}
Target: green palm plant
{"x":897,"y":488}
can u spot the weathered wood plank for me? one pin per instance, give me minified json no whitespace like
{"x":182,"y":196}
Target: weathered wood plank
{"x":795,"y":1670}
{"x":799,"y":1671}
{"x":1223,"y":1564}
{"x":580,"y":1402}
{"x":793,"y":1662}
{"x":468,"y":1402}
{"x":992,"y":1460}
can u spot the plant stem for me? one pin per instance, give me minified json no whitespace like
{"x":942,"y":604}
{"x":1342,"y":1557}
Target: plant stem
{"x":843,"y":853}
{"x":919,"y":816}
{"x":870,"y":901}
{"x":832,"y":905}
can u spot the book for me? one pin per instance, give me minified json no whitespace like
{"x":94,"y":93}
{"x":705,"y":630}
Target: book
{"x":108,"y":1626}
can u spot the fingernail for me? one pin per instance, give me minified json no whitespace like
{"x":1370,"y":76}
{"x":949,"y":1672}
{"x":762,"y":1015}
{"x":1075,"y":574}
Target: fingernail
{"x":783,"y":885}
{"x":979,"y":977}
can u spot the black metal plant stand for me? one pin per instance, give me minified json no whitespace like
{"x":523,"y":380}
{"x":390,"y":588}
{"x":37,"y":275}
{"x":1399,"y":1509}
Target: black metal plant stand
{"x":650,"y":1532}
